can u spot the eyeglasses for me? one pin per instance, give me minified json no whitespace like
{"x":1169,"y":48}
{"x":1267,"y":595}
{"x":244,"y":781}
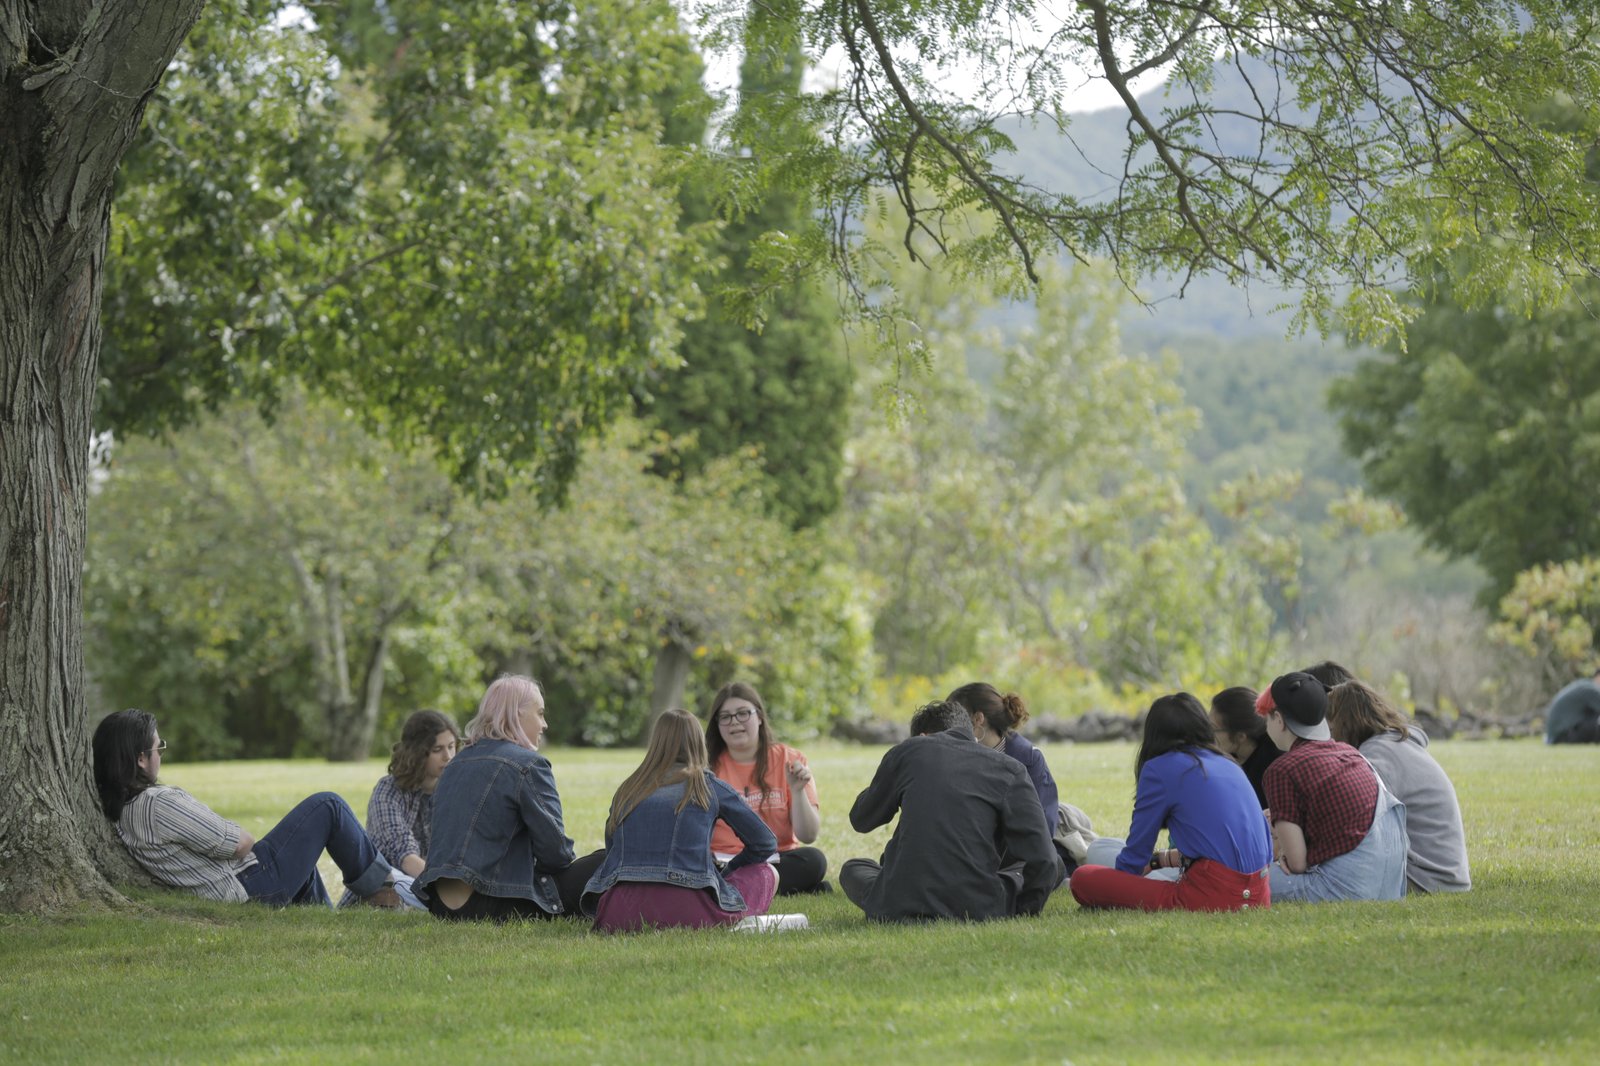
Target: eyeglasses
{"x":157,"y":749}
{"x":729,"y":717}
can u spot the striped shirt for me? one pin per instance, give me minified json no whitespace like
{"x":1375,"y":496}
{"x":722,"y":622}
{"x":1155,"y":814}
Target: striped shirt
{"x":183,"y":843}
{"x":398,"y":820}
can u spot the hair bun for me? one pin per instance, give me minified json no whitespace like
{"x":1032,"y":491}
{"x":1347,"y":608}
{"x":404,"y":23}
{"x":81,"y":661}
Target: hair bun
{"x":1015,"y":708}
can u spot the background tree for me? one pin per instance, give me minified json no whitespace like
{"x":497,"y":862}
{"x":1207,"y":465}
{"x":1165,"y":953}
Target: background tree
{"x":585,"y":592}
{"x":1552,"y":614}
{"x":276,"y":572}
{"x":1048,"y":513}
{"x":1486,"y":429}
{"x":780,"y":386}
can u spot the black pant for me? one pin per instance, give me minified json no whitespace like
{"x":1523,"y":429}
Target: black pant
{"x":569,"y":885}
{"x":801,"y":870}
{"x":1585,"y":732}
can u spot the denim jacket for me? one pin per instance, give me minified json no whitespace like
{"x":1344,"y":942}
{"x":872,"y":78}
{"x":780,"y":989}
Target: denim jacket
{"x":497,"y":824}
{"x":657,"y":843}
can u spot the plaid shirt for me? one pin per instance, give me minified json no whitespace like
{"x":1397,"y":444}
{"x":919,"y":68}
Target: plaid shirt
{"x":183,"y":843}
{"x":398,"y":820}
{"x":1327,"y":789}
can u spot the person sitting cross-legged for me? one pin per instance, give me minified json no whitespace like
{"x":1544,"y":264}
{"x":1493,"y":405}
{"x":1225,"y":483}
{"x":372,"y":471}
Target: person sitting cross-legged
{"x":1221,"y":846}
{"x":659,"y":871}
{"x":1339,"y":834}
{"x":185,"y":844}
{"x":1436,"y":860}
{"x":498,"y":846}
{"x":971,"y":842}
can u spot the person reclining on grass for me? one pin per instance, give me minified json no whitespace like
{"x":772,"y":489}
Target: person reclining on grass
{"x":966,"y":811}
{"x":1337,"y":831}
{"x":185,"y":844}
{"x":1184,"y":784}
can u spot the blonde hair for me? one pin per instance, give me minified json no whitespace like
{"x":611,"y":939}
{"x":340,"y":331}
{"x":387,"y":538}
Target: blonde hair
{"x":499,"y":714}
{"x":677,"y":752}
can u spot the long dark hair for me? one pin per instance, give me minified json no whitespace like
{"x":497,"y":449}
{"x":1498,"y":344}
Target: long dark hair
{"x":715,"y":745}
{"x":1236,"y":709}
{"x":1175,"y":723}
{"x":409,"y":760}
{"x":119,"y":740}
{"x":1002,"y":714}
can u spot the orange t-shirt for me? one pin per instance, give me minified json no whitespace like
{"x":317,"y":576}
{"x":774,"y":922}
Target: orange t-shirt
{"x":772,"y":806}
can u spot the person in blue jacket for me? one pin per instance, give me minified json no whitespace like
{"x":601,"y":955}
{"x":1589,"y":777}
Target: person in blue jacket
{"x":659,"y":870}
{"x":1222,"y":848}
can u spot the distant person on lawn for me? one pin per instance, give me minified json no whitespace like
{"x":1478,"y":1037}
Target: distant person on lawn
{"x":773,"y":779}
{"x":659,"y":871}
{"x":965,"y":811}
{"x":1436,"y":854}
{"x":184,"y":844}
{"x":1221,"y":848}
{"x":1338,"y":833}
{"x":498,"y":848}
{"x":400,"y":811}
{"x":1573,"y":717}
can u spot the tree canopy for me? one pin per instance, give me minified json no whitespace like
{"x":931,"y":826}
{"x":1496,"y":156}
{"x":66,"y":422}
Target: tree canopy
{"x":455,"y":217}
{"x":1486,"y":429}
{"x":1335,"y":150}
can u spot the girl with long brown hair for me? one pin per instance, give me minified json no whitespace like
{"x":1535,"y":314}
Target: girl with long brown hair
{"x":773,"y":779}
{"x":659,"y":869}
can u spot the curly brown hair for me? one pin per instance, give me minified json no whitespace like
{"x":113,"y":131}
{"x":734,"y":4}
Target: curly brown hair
{"x":408,"y":765}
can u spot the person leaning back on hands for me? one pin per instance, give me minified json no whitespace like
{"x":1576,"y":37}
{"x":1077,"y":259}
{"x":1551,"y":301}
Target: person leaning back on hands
{"x":185,"y":844}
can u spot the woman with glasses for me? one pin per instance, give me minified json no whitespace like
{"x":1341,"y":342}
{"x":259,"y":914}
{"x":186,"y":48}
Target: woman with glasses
{"x":773,"y":779}
{"x":658,"y":870}
{"x":184,"y":844}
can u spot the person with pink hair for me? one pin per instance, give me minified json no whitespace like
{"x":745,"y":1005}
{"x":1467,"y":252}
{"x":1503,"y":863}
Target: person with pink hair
{"x":499,"y":849}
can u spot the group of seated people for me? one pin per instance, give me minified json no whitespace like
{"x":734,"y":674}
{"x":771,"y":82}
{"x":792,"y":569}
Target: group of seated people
{"x":1313,"y":789}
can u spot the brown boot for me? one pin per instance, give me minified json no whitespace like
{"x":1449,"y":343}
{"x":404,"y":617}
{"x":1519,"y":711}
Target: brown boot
{"x":386,"y":898}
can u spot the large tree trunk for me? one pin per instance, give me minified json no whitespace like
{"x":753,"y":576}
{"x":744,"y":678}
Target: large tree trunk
{"x":74,"y":78}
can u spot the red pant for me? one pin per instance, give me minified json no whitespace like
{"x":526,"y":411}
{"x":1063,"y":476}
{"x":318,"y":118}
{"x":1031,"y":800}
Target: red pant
{"x":1205,"y":886}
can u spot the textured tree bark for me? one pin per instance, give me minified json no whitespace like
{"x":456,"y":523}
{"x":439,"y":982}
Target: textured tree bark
{"x":74,"y":79}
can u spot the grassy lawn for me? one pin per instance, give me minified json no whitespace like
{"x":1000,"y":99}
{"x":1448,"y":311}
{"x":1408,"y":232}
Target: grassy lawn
{"x":1509,"y":972}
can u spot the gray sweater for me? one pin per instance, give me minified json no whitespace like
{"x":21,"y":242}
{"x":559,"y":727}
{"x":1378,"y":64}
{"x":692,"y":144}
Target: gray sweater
{"x":1437,"y":857}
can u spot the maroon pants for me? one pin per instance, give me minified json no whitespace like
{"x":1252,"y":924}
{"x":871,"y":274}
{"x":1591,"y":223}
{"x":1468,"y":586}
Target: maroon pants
{"x":629,"y":906}
{"x":1204,"y":886}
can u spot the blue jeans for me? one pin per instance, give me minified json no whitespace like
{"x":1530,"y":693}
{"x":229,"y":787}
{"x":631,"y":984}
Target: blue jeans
{"x":286,"y":858}
{"x":1375,"y":869}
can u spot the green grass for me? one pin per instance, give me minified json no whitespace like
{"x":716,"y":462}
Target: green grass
{"x":1509,"y":972}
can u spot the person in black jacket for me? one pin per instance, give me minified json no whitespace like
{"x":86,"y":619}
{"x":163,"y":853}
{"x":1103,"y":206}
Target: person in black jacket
{"x":971,"y":842}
